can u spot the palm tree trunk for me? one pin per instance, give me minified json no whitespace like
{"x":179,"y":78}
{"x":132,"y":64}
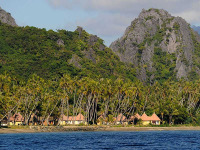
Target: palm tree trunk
{"x":170,"y":119}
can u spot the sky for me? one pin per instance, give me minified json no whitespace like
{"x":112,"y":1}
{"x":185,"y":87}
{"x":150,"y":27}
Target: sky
{"x":106,"y":18}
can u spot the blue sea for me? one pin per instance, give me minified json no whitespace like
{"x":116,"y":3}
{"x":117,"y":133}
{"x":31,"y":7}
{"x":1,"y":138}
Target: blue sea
{"x":102,"y":140}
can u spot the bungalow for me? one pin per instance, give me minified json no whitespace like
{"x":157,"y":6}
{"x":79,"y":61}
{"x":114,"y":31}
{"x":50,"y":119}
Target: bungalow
{"x":63,"y":120}
{"x":121,"y":119}
{"x":102,"y":120}
{"x":72,"y":119}
{"x":16,"y":119}
{"x":134,"y":119}
{"x":154,"y":119}
{"x":43,"y":121}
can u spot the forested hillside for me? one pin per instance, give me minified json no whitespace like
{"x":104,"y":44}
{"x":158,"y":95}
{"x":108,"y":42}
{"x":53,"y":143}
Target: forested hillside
{"x":49,"y":54}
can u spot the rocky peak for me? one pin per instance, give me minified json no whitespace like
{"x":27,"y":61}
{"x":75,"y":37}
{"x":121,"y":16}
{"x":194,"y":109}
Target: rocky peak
{"x":6,"y":17}
{"x":158,"y":43}
{"x":79,"y":30}
{"x":155,"y":13}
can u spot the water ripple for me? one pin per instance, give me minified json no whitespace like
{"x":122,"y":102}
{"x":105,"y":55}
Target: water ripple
{"x":160,"y":140}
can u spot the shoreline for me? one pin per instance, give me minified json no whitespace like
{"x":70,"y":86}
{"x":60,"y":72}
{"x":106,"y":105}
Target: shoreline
{"x":40,"y":129}
{"x":190,"y":128}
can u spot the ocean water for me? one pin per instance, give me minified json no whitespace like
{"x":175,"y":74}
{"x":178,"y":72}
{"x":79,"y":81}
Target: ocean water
{"x":102,"y":140}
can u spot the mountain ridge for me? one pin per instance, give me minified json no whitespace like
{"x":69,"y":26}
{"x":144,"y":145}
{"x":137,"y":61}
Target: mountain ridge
{"x":155,"y":47}
{"x":25,"y":51}
{"x":155,"y":31}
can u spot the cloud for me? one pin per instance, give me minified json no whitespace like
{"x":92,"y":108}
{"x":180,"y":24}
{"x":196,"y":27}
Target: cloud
{"x":113,"y":16}
{"x":106,"y":24}
{"x":124,"y":6}
{"x":191,"y":16}
{"x":60,"y":3}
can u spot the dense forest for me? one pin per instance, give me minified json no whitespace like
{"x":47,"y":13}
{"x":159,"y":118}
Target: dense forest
{"x":173,"y":102}
{"x":49,"y":54}
{"x":52,"y":73}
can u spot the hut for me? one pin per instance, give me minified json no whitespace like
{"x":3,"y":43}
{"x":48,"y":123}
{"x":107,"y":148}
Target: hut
{"x":16,"y":119}
{"x":76,"y":120}
{"x":134,"y":119}
{"x":146,"y":120}
{"x":44,"y":121}
{"x":102,"y":120}
{"x":155,"y":120}
{"x":63,"y":120}
{"x":121,"y":119}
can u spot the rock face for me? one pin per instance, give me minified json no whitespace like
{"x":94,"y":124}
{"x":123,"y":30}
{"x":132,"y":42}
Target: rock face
{"x":6,"y":17}
{"x":94,"y":44}
{"x":159,"y":46}
{"x":60,"y":42}
{"x":75,"y":61}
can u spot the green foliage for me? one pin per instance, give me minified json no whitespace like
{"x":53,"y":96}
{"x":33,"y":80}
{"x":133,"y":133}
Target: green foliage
{"x":196,"y":55}
{"x":149,"y":18}
{"x":164,"y":64}
{"x":157,"y":10}
{"x":193,"y":75}
{"x":69,"y":96}
{"x":139,"y":122}
{"x":121,"y":50}
{"x":169,"y":20}
{"x":28,"y":50}
{"x":176,"y":26}
{"x":158,"y":37}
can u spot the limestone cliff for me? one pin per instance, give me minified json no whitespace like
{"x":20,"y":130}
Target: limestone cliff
{"x":6,"y":17}
{"x":160,"y":46}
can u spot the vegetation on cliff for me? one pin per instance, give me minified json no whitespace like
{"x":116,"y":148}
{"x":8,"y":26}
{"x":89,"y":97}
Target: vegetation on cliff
{"x":160,"y":47}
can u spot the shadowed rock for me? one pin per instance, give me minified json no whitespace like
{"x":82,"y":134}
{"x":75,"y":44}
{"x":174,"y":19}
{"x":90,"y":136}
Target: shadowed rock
{"x":75,"y":61}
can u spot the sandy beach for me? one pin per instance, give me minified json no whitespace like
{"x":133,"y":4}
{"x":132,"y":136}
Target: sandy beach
{"x":151,"y":128}
{"x":38,"y":129}
{"x":8,"y":130}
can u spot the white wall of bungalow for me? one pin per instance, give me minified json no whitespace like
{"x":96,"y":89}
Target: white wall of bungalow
{"x":72,"y":120}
